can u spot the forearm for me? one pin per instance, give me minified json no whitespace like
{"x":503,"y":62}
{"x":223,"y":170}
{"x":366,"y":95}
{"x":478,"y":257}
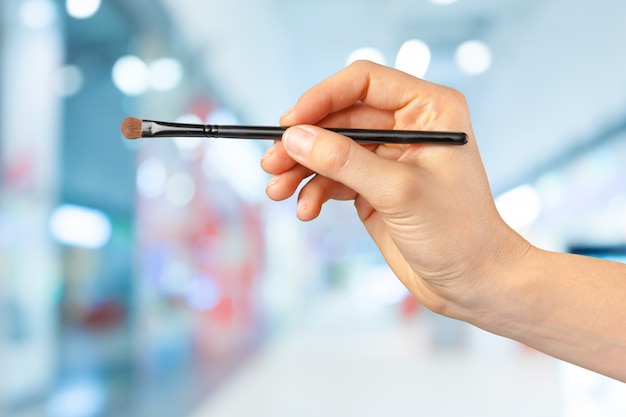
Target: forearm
{"x":568,"y":306}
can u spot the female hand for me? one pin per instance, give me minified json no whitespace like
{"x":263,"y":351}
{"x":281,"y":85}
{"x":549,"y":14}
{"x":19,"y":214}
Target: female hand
{"x":430,"y":211}
{"x":428,"y":207}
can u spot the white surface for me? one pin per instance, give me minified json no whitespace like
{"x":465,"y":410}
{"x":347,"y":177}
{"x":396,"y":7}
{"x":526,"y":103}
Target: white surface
{"x":340,"y":361}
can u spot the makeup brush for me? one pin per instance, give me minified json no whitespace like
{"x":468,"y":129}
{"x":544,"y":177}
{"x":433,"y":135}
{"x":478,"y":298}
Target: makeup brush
{"x":133,"y":128}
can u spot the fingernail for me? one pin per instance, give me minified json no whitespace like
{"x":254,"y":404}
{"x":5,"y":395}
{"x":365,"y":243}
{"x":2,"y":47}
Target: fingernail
{"x":301,"y":206}
{"x":298,"y":141}
{"x":287,"y":112}
{"x":269,"y":152}
{"x":272,"y":183}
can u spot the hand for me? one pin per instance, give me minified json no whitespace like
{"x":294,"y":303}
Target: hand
{"x":428,"y":207}
{"x":430,"y":211}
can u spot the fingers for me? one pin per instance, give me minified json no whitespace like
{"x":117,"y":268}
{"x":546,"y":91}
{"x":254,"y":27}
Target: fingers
{"x":284,"y":185}
{"x":363,"y":95}
{"x":316,"y":192}
{"x":339,"y":159}
{"x":288,"y":175}
{"x":359,"y":115}
{"x":276,"y":160}
{"x":377,"y":86}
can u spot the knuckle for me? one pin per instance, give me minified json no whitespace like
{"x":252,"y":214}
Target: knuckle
{"x":455,"y":96}
{"x":360,"y":63}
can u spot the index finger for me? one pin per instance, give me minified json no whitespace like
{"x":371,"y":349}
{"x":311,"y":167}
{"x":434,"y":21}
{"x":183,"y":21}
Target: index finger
{"x":375,"y":85}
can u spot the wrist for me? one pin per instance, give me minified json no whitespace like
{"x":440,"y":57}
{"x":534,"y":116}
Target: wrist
{"x":497,"y":302}
{"x":567,"y":306}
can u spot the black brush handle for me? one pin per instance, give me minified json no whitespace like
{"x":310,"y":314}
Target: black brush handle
{"x":360,"y":135}
{"x":154,"y":129}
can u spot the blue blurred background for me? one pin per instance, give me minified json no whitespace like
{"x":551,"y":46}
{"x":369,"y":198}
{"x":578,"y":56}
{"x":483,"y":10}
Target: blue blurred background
{"x":154,"y":278}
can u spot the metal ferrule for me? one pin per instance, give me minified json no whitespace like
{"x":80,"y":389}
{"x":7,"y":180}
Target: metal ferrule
{"x":153,"y":129}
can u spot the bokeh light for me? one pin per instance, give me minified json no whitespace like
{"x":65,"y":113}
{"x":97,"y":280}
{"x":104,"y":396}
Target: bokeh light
{"x":80,"y":226}
{"x":165,"y":74}
{"x":151,"y":177}
{"x":131,"y":75}
{"x":37,"y":14}
{"x":368,"y":54}
{"x":414,"y":58}
{"x":519,"y":207}
{"x":473,"y":57}
{"x":82,"y":9}
{"x":180,"y":189}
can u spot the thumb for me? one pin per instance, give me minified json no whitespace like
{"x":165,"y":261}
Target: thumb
{"x":340,"y":159}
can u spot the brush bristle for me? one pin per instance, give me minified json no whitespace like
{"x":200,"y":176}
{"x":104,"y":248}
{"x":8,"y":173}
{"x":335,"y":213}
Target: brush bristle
{"x":131,"y":128}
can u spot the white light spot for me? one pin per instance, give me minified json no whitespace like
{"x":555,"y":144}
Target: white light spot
{"x":81,"y":398}
{"x":377,"y":288}
{"x":520,"y":206}
{"x":222,"y":116}
{"x":368,"y":54}
{"x":130,"y":75}
{"x":413,"y":58}
{"x":237,"y":164}
{"x":80,"y":226}
{"x":165,"y":74}
{"x":37,"y":14}
{"x":443,"y":2}
{"x":151,"y":176}
{"x":82,"y":9}
{"x":473,"y":57}
{"x":180,"y":189}
{"x":188,"y":144}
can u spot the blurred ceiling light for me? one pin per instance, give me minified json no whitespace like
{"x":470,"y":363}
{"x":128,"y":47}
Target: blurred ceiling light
{"x":165,"y":74}
{"x":82,"y":9}
{"x":180,"y":189}
{"x":80,"y":226}
{"x":473,"y":57}
{"x":130,"y":75}
{"x":376,"y":288}
{"x":519,"y":207}
{"x":222,"y":116}
{"x":151,"y":176}
{"x":188,"y":144}
{"x":413,"y":58}
{"x":367,"y":53}
{"x":69,"y":81}
{"x":84,"y":397}
{"x":237,"y":164}
{"x":443,"y":2}
{"x":37,"y":14}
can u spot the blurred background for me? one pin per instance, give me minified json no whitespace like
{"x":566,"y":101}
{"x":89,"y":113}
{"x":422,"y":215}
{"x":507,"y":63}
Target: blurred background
{"x":154,"y":278}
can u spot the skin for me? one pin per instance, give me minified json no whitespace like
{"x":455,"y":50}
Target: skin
{"x":430,"y":211}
